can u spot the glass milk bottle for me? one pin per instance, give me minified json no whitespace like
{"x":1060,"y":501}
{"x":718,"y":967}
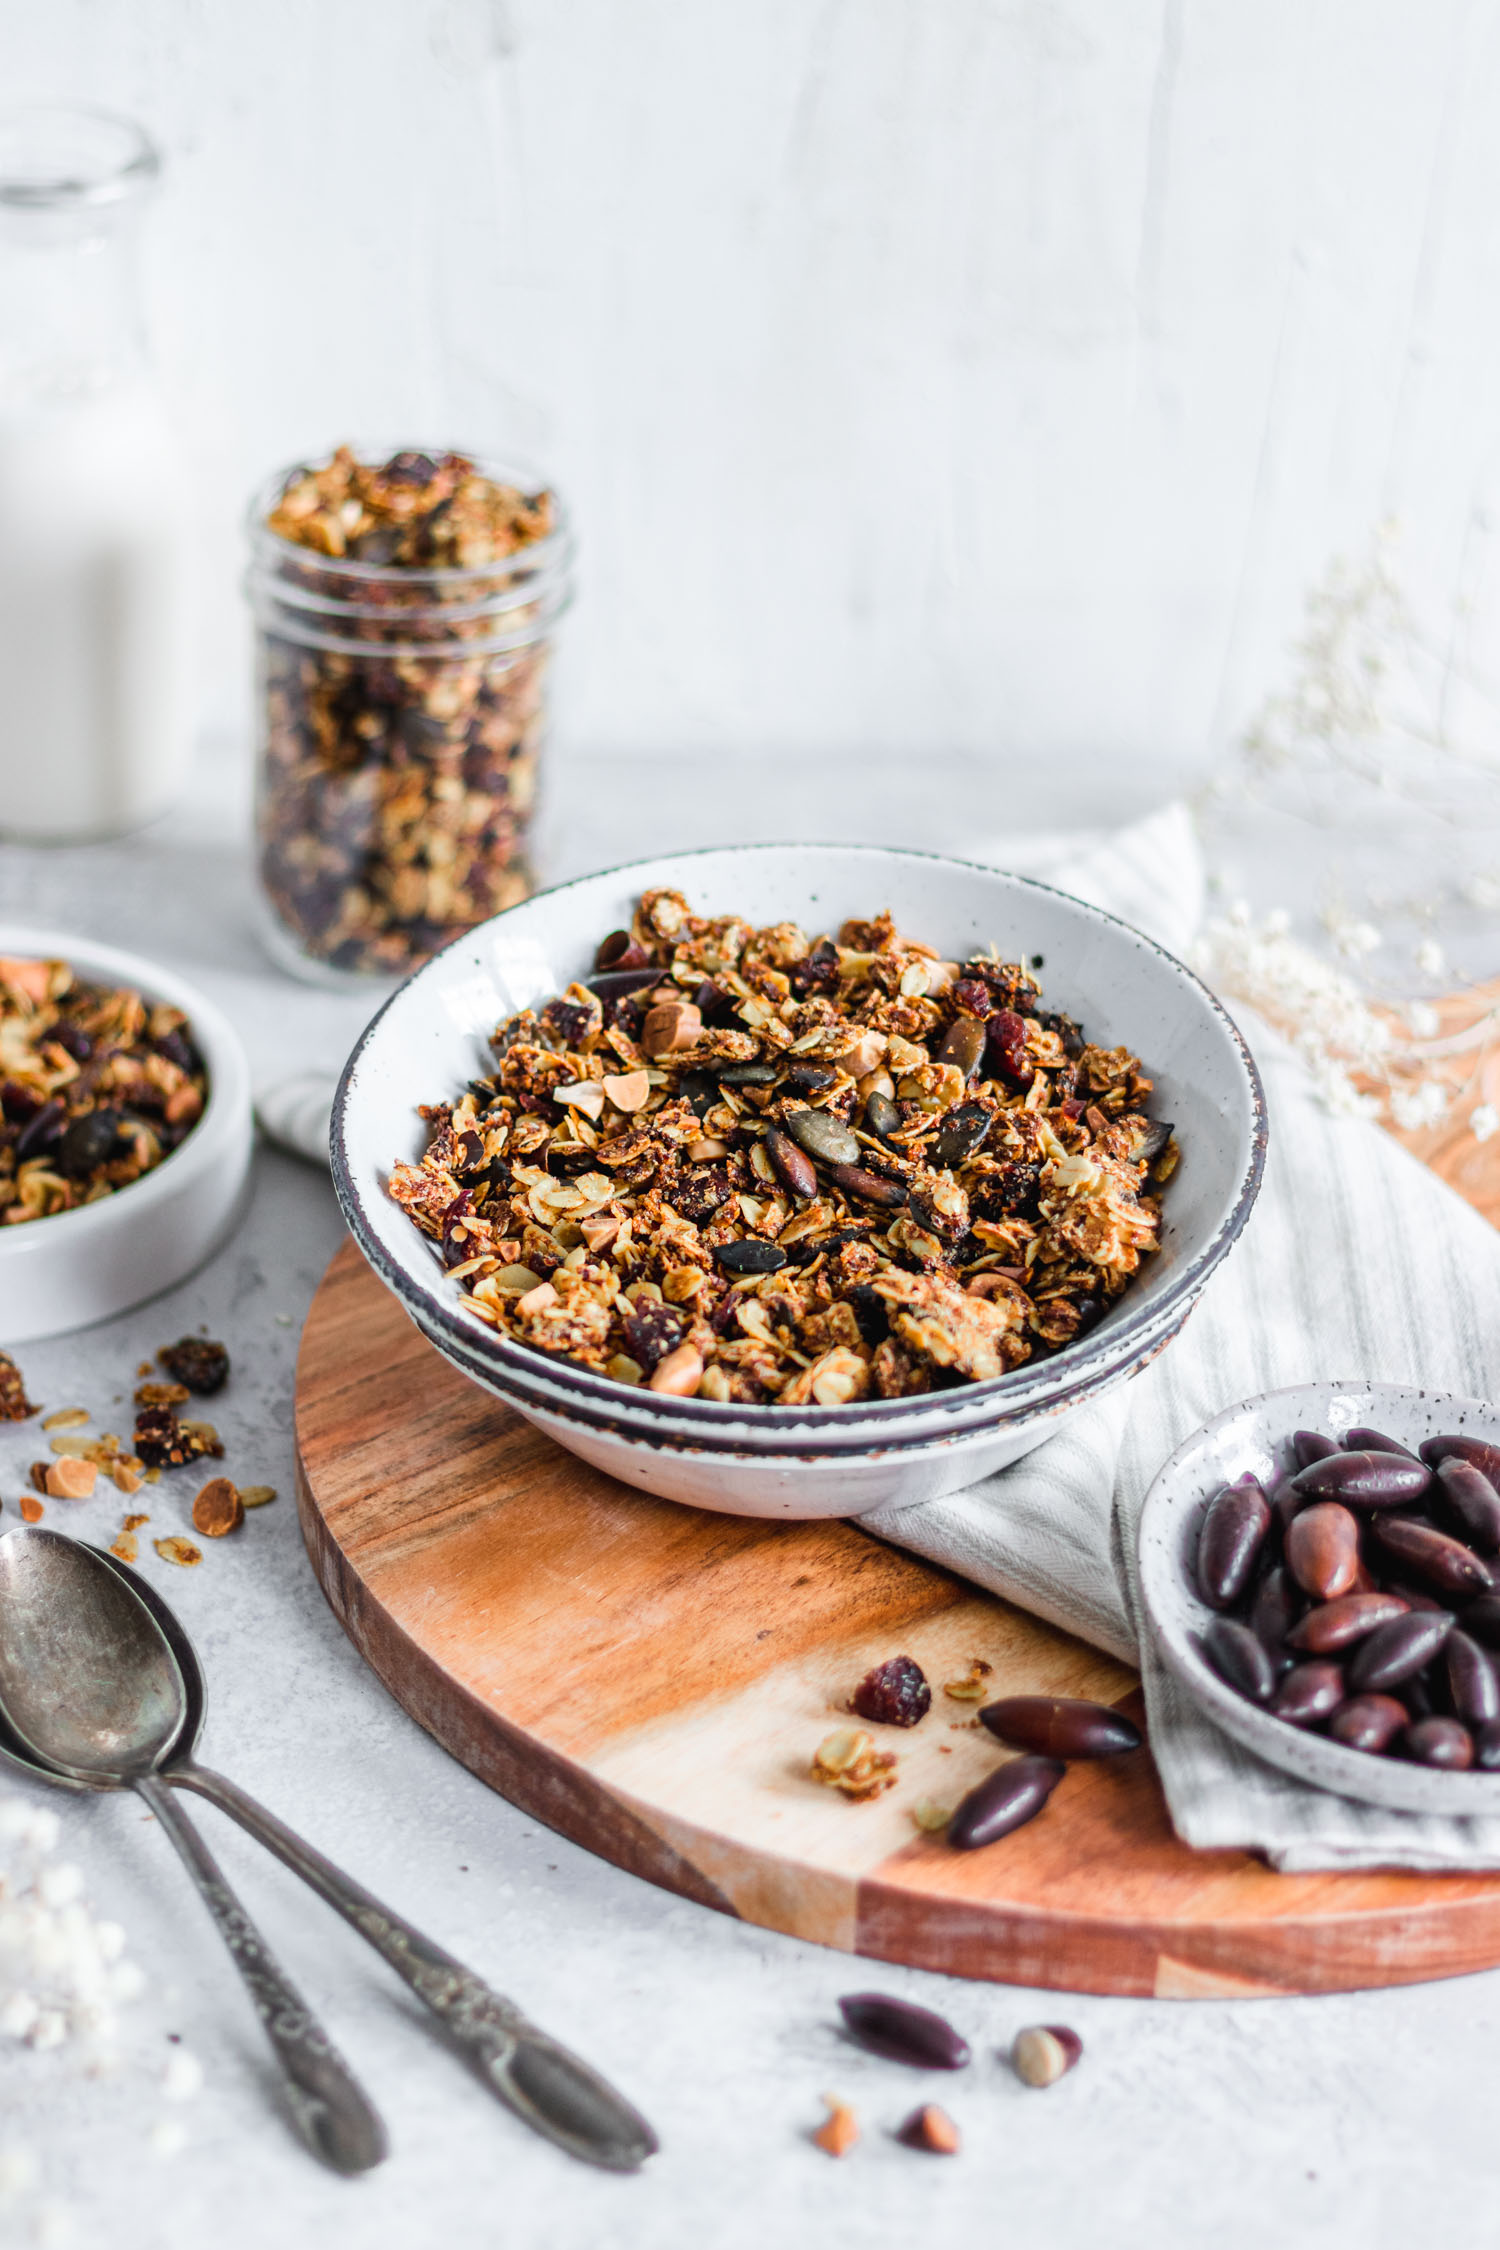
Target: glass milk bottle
{"x":93,"y":647}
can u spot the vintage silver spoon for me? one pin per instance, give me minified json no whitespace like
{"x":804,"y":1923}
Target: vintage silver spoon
{"x":542,"y":2081}
{"x":91,"y":1691}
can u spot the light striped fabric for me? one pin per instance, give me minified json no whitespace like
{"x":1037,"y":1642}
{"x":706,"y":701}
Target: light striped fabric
{"x":1358,"y":1263}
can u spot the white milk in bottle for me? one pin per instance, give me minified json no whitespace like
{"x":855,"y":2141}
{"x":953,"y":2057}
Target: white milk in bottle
{"x":93,"y":642}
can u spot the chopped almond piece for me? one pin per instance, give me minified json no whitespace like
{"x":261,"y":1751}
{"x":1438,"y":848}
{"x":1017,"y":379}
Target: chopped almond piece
{"x":839,"y":2130}
{"x":669,"y":1028}
{"x":127,"y":1480}
{"x":932,"y":2129}
{"x":536,"y":1300}
{"x":629,"y":1090}
{"x":218,"y":1508}
{"x":28,"y":977}
{"x":680,"y":1373}
{"x":72,"y":1480}
{"x":32,"y":1510}
{"x":66,"y":1418}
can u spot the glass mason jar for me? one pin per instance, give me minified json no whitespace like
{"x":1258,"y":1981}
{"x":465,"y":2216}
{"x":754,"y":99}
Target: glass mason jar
{"x":402,"y":710}
{"x":93,"y":640}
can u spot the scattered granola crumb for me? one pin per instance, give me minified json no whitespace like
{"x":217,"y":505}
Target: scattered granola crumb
{"x":930,"y":1816}
{"x":218,"y":1508}
{"x":197,"y":1361}
{"x":38,"y":1474}
{"x":162,"y":1394}
{"x":162,"y":1442}
{"x":839,"y":2130}
{"x":133,"y":1523}
{"x":152,"y":1476}
{"x":257,"y":1495}
{"x":145,"y":1367}
{"x":126,"y":1478}
{"x":127,"y":1547}
{"x":971,"y":1688}
{"x":15,"y":1406}
{"x":175,"y":1550}
{"x":71,"y":1480}
{"x":893,"y":1694}
{"x":847,"y":1760}
{"x":66,"y":1418}
{"x":32,"y":1510}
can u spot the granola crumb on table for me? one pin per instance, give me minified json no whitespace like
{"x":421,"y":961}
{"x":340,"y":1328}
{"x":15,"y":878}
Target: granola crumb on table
{"x":97,"y":1086}
{"x":756,"y":1168}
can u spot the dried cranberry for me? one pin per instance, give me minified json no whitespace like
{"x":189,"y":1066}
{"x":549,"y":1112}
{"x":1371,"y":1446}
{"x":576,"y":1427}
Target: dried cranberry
{"x":620,"y":951}
{"x":972,"y":997}
{"x":895,"y":1694}
{"x":175,"y":1048}
{"x":1005,"y":1049}
{"x":18,"y":1102}
{"x":653,"y":1330}
{"x":818,"y":971}
{"x":568,"y":1021}
{"x":198,"y":1362}
{"x":42,"y":1134}
{"x":871,"y":1311}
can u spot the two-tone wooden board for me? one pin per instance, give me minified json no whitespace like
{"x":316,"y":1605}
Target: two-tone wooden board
{"x":653,"y":1681}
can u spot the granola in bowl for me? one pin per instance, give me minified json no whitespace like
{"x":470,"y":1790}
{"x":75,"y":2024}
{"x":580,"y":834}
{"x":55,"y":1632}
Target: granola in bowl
{"x":97,"y":1086}
{"x":757,"y":1168}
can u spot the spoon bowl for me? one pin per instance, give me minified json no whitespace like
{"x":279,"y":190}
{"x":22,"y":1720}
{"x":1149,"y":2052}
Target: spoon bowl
{"x":88,"y":1685}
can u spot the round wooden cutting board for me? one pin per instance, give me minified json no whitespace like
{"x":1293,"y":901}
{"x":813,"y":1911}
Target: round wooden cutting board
{"x":653,"y":1682}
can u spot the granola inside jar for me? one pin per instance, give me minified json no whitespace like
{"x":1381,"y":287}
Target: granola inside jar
{"x":406,"y":610}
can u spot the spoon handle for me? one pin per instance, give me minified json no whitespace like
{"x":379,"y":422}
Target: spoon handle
{"x":331,"y":2111}
{"x":555,"y":2093}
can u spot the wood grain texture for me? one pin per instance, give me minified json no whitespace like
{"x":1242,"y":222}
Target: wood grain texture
{"x":653,"y":1681}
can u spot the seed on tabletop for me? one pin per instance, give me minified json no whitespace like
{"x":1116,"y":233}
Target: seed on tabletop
{"x":71,"y":1480}
{"x":971,"y":1688}
{"x":1006,"y":1800}
{"x":15,"y":1406}
{"x":1044,"y":2052}
{"x":66,"y":1418}
{"x":218,"y":1509}
{"x":847,"y":1760}
{"x":903,"y":2032}
{"x":1240,"y":1658}
{"x":840,"y":2128}
{"x":197,"y":1361}
{"x":162,"y":1394}
{"x":932,"y":2129}
{"x":257,"y":1495}
{"x":146,"y":1367}
{"x":893,"y":1694}
{"x":931,"y":1817}
{"x":1060,"y":1726}
{"x":175,"y":1550}
{"x":31,"y":1509}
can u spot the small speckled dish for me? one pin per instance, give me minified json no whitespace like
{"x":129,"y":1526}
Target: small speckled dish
{"x":1256,"y":1436}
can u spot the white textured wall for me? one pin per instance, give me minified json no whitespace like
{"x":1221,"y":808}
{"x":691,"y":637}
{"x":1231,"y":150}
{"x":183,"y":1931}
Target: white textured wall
{"x":984,"y":374}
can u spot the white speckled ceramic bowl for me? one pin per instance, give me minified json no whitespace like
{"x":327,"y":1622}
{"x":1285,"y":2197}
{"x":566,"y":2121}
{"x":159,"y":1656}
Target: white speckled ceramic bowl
{"x":86,"y":1265}
{"x":432,"y":1036}
{"x":1255,"y":1436}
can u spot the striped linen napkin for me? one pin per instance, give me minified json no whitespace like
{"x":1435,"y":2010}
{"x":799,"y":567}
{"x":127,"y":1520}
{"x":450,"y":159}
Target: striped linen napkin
{"x":1357,"y":1263}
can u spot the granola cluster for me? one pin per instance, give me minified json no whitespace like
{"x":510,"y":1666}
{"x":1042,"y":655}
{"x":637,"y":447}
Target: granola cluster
{"x":744,"y":1166}
{"x":403,"y":708}
{"x":96,"y":1087}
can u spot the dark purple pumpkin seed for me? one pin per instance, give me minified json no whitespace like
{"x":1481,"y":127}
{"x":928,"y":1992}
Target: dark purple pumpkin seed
{"x":1398,"y":1650}
{"x":1487,"y":1747}
{"x":1365,"y":1480}
{"x":1060,"y":1726}
{"x":809,"y":1078}
{"x":43,"y":1131}
{"x":1446,"y":1743}
{"x":903,"y":2032}
{"x":1443,"y":1562}
{"x":748,"y":1074}
{"x":882,"y":1118}
{"x":1005,"y":1800}
{"x":962,"y":1131}
{"x":1482,"y":1620}
{"x":824,"y":1137}
{"x":1469,"y":1497}
{"x":1337,"y":1624}
{"x":867,"y":1187}
{"x":1308,"y":1693}
{"x":1278,"y":1604}
{"x":1229,"y":1542}
{"x":792,"y":1165}
{"x":1240,"y":1659}
{"x":619,"y":984}
{"x":1363,"y":1440}
{"x":1471,"y":1680}
{"x":1311,"y":1445}
{"x":1484,"y":1455}
{"x":1322,"y":1550}
{"x":1368,"y":1722}
{"x":963,"y":1045}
